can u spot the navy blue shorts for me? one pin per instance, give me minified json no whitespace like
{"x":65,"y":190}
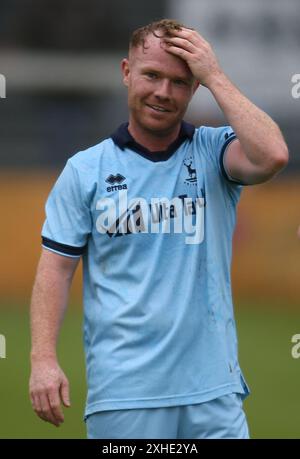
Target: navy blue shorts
{"x":223,"y":417}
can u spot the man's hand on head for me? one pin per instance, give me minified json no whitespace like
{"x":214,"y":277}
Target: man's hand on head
{"x":196,"y":52}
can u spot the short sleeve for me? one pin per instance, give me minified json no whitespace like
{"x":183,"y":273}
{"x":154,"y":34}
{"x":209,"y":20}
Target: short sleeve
{"x":68,"y":220}
{"x":220,"y":139}
{"x":212,"y":146}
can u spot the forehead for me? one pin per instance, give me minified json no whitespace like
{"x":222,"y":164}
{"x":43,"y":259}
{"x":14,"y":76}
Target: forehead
{"x":153,"y":56}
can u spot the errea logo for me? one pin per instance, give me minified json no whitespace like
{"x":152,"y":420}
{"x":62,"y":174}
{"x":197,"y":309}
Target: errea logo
{"x":113,"y":179}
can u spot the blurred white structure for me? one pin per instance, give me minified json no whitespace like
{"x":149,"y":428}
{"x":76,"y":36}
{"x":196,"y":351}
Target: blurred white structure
{"x":2,"y":86}
{"x":2,"y":347}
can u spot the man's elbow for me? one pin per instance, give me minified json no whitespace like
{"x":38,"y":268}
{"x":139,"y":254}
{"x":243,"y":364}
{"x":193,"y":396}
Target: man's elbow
{"x":275,"y":163}
{"x":279,"y":161}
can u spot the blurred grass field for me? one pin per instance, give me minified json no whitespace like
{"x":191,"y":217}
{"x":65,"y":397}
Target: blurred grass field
{"x":265,"y":357}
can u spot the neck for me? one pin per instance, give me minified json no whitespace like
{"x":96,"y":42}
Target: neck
{"x":153,"y":140}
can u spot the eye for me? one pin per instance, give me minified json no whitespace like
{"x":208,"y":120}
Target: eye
{"x":180,"y":82}
{"x":151,"y":75}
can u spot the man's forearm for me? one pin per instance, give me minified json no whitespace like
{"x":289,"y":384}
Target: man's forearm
{"x":258,"y":134}
{"x":48,"y":304}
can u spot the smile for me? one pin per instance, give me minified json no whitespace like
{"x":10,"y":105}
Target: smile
{"x":157,"y":108}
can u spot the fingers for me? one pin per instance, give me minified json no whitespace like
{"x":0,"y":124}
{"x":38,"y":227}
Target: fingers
{"x":48,"y":388}
{"x":185,"y":43}
{"x":181,"y":43}
{"x":36,"y":404}
{"x":195,"y":51}
{"x":189,"y":34}
{"x":65,"y":393}
{"x":42,"y":408}
{"x":47,"y":413}
{"x":54,"y":403}
{"x":178,"y":51}
{"x":47,"y":405}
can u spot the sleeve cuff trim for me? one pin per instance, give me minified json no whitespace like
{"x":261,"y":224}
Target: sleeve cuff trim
{"x":62,"y":248}
{"x":223,"y":170}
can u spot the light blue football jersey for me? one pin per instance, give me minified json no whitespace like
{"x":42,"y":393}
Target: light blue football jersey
{"x":155,"y":234}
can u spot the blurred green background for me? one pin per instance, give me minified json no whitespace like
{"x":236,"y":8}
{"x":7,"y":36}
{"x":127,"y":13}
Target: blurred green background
{"x":64,"y":93}
{"x":265,"y":355}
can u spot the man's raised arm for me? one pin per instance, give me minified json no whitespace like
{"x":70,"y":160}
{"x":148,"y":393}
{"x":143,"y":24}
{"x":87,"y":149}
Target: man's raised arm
{"x":260,"y":151}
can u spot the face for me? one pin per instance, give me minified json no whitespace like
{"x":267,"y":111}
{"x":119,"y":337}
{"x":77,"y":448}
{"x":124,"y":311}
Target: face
{"x":160,"y":87}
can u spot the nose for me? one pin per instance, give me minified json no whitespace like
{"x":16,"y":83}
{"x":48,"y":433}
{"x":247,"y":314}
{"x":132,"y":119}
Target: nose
{"x":163,"y":89}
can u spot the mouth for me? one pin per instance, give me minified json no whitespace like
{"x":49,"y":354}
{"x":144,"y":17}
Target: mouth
{"x":158,"y":108}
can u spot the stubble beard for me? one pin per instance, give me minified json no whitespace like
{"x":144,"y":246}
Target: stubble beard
{"x":155,"y":128}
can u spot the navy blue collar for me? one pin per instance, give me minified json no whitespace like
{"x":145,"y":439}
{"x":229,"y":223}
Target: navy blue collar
{"x":122,"y":138}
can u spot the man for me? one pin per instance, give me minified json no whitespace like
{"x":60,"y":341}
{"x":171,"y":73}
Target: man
{"x":151,"y":210}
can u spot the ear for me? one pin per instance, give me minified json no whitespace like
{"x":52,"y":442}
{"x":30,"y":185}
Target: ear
{"x":125,"y":71}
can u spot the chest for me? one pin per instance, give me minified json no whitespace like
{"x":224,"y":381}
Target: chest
{"x":136,"y":196}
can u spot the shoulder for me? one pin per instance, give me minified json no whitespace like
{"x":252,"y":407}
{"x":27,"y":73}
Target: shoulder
{"x":213,"y":141}
{"x":90,"y":157}
{"x":213,"y":134}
